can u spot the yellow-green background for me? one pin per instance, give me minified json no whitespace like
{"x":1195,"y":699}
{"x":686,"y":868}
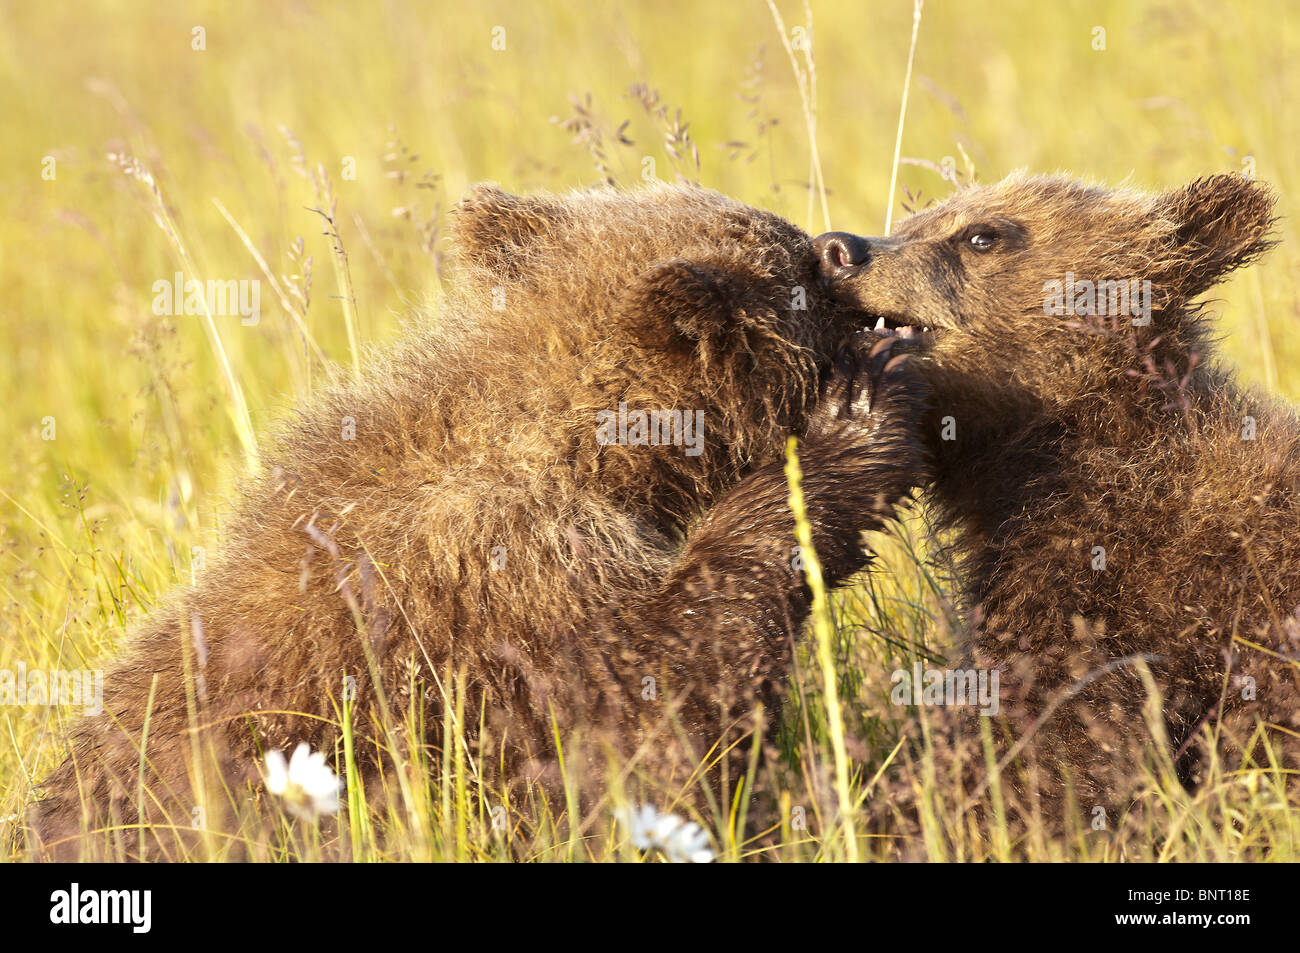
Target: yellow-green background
{"x":96,"y":523}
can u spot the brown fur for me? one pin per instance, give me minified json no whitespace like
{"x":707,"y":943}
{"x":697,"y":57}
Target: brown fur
{"x":475,"y":525}
{"x":1074,"y":432}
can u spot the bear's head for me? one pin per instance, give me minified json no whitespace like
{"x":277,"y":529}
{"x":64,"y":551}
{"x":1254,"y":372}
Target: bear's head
{"x":1046,"y":288}
{"x":666,"y":298}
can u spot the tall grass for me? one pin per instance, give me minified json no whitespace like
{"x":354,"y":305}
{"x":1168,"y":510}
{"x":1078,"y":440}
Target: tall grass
{"x":824,"y":636}
{"x":128,"y":432}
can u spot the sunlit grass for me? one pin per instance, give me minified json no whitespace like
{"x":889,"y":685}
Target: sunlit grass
{"x":316,"y":147}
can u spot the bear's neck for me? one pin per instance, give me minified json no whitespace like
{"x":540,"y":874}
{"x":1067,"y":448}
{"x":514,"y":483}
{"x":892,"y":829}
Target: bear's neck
{"x":1002,"y":445}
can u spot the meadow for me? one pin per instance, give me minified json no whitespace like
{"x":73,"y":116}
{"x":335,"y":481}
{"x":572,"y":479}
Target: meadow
{"x":316,"y":147}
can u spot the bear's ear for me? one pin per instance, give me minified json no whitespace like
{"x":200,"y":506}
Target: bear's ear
{"x":1219,"y":222}
{"x":501,"y":233}
{"x":691,"y":299}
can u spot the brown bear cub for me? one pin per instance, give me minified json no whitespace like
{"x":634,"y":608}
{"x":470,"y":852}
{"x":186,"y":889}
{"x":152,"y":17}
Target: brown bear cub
{"x":1120,"y":505}
{"x":560,"y":512}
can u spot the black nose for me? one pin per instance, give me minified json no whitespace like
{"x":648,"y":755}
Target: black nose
{"x":840,"y":253}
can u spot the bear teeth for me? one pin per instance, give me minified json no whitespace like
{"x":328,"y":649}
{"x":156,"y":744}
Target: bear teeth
{"x":901,"y":331}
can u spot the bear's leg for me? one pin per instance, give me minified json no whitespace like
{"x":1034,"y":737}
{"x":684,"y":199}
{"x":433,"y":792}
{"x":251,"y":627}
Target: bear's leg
{"x":718,"y":634}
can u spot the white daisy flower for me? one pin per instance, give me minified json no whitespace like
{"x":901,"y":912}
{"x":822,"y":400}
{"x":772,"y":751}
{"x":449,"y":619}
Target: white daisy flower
{"x":678,"y":840}
{"x":306,"y":784}
{"x":639,"y":822}
{"x":690,"y":845}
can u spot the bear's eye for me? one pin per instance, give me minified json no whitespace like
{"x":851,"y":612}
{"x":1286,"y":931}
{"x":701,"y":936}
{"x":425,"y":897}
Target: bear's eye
{"x":983,"y":240}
